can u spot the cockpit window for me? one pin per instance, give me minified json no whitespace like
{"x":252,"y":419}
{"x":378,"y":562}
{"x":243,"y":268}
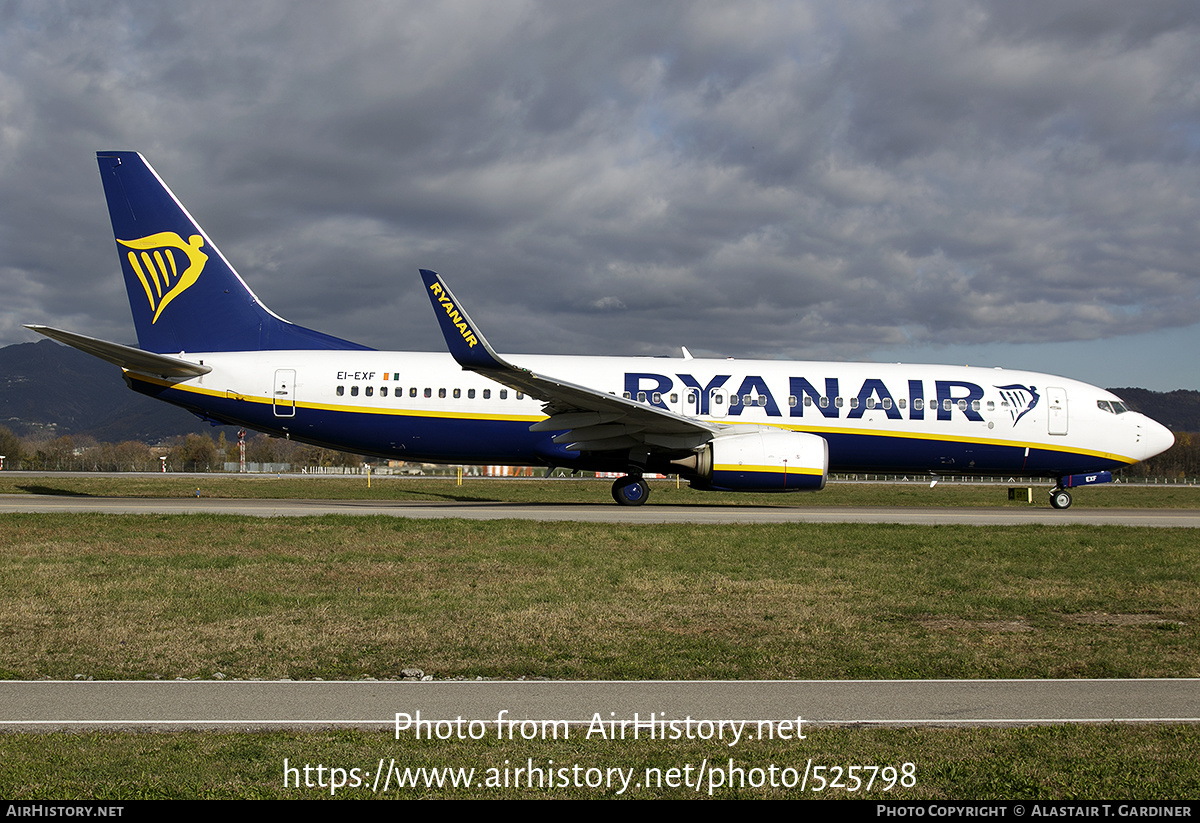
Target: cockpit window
{"x":1112,"y":406}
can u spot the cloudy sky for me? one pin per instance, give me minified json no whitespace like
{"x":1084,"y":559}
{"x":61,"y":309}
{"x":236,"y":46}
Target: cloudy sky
{"x":996,"y":183}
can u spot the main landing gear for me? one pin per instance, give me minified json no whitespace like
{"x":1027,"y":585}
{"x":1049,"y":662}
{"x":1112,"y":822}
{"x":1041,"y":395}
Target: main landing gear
{"x":1060,"y":498}
{"x":631,"y":490}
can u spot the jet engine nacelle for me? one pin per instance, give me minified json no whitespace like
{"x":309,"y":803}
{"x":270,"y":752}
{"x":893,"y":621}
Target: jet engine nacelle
{"x":762,"y":460}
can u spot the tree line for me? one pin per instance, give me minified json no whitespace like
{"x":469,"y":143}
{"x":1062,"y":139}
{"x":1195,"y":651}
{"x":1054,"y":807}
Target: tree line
{"x":190,"y":453}
{"x":1181,"y":460}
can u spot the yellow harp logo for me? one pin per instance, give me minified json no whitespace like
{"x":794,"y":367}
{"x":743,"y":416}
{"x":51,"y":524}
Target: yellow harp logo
{"x":166,"y":265}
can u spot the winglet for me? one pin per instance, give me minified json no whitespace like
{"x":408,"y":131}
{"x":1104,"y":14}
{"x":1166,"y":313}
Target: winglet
{"x":466,"y":343}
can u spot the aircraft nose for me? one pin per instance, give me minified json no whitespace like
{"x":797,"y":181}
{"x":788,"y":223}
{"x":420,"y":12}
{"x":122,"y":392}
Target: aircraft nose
{"x":1154,"y":438}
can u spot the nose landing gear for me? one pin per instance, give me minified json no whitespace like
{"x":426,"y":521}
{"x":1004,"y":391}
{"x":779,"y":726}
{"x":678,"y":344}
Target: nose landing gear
{"x":1060,"y":498}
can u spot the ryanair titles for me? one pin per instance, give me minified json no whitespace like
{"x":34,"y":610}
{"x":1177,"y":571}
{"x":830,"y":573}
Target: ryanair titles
{"x":721,"y":396}
{"x":456,"y":319}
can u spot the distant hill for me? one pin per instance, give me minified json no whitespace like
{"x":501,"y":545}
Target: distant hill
{"x":49,"y":388}
{"x":1178,"y":410}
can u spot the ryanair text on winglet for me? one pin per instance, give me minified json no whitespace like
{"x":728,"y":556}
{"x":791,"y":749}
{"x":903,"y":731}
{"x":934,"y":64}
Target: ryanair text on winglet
{"x":455,"y":317}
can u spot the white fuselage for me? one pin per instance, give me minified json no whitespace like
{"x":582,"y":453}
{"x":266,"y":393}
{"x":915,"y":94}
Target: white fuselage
{"x":423,"y":406}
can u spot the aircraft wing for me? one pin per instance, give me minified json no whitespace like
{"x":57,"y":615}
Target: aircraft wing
{"x":594,"y":420}
{"x":127,"y":357}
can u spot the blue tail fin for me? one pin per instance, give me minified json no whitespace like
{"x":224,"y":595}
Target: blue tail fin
{"x":184,"y":294}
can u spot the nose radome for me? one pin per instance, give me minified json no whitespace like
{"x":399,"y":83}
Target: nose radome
{"x":1154,"y":438}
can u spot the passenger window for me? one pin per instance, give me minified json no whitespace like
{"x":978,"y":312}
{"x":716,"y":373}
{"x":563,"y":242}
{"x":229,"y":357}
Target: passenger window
{"x":383,"y":391}
{"x":354,"y":391}
{"x":487,"y":394}
{"x":656,"y":398}
{"x":641,"y":397}
{"x":919,"y":403}
{"x":870,"y":402}
{"x":974,"y":405}
{"x":762,"y":400}
{"x":470,"y":394}
{"x":733,"y":399}
{"x":625,"y":395}
{"x":837,"y":401}
{"x":412,"y":392}
{"x":824,"y":403}
{"x":370,"y":390}
{"x":887,"y":402}
{"x":428,"y":392}
{"x":520,"y":395}
{"x":854,"y":402}
{"x":441,"y":393}
{"x":901,"y":402}
{"x":717,"y":399}
{"x":504,"y":394}
{"x":341,"y":390}
{"x":792,"y":400}
{"x":674,"y":398}
{"x":947,"y":404}
{"x":962,"y":405}
{"x":457,"y":393}
{"x":692,"y":397}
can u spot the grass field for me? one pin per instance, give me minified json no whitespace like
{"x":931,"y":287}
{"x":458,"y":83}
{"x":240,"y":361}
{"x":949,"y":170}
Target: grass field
{"x":346,"y":597}
{"x":117,"y":597}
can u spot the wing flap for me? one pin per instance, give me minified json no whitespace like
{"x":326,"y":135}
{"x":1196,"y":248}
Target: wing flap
{"x":574,"y":420}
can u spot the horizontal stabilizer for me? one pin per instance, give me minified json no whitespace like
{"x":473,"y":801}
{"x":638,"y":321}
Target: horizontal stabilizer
{"x":127,"y":357}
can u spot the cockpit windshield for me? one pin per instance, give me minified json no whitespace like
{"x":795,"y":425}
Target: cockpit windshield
{"x":1112,"y":406}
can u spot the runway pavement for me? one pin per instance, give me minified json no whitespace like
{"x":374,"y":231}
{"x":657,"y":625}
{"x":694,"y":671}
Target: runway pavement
{"x":46,"y":705}
{"x":606,"y":512}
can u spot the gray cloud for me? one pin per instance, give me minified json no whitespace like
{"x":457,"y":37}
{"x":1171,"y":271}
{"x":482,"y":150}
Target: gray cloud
{"x":756,"y":179}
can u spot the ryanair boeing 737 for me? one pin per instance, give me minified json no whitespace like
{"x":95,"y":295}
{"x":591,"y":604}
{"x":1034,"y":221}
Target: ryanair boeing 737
{"x":207,"y":344}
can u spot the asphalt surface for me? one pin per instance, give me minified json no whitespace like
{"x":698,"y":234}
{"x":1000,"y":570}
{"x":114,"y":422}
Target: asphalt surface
{"x":80,"y":705}
{"x":606,"y":512}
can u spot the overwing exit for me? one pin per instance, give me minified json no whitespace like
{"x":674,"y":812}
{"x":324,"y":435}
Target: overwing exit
{"x":208,"y":344}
